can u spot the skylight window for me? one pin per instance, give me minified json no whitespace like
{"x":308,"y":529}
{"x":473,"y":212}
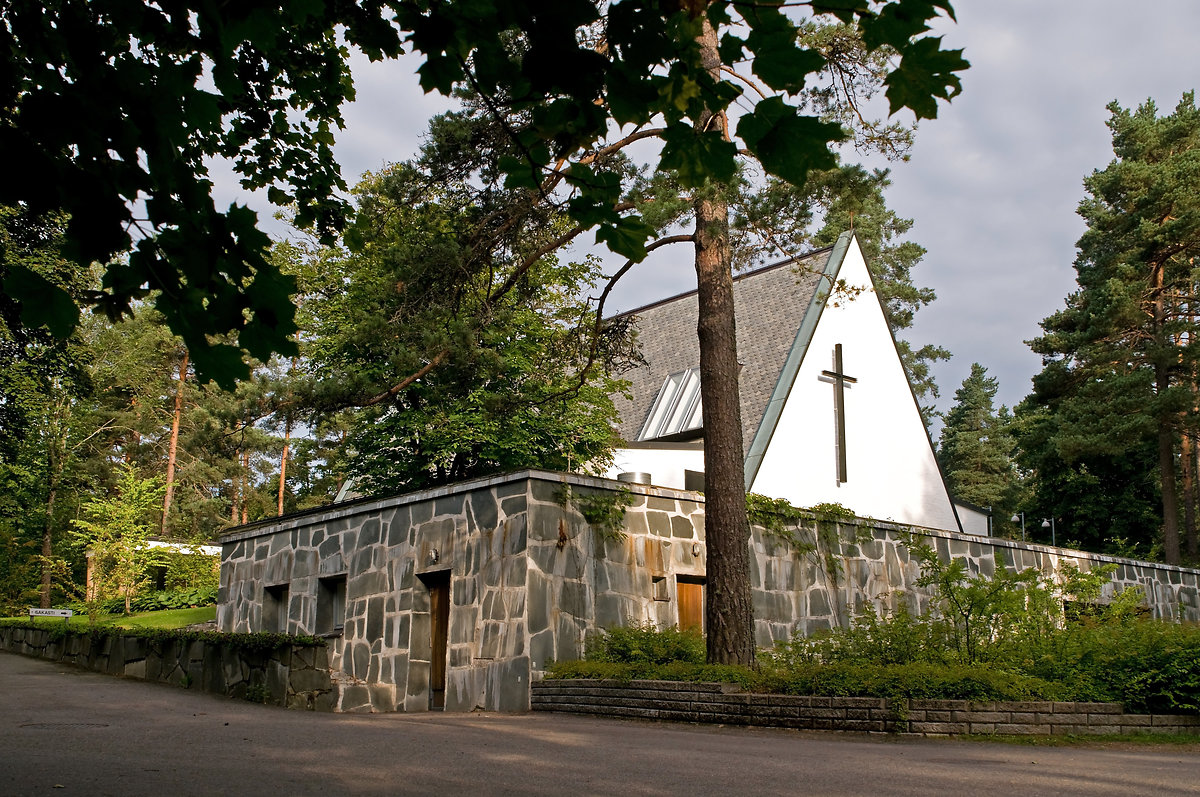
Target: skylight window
{"x":677,"y":407}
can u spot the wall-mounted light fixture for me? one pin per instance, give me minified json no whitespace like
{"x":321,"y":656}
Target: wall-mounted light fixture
{"x":695,"y":549}
{"x":433,"y":556}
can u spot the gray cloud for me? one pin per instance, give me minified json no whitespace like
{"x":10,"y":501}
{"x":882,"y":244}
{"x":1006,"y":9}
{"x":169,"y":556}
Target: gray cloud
{"x":993,"y":182}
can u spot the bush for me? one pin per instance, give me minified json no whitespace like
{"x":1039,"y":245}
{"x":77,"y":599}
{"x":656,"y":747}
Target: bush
{"x":671,"y":671}
{"x":917,"y":681}
{"x":1148,"y":665}
{"x":156,"y":601}
{"x":644,"y":644}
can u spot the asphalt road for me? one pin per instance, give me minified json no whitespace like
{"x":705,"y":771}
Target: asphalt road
{"x":64,"y":731}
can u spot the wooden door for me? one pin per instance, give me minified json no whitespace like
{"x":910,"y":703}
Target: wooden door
{"x":690,"y":595}
{"x":439,"y":628}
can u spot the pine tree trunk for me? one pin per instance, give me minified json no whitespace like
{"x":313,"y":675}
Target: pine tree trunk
{"x":173,"y":448}
{"x":235,"y":489}
{"x":287,"y":438}
{"x":1166,"y":430}
{"x":56,"y":456}
{"x":1191,"y":464}
{"x":1187,"y":464}
{"x":1170,"y":499}
{"x":245,"y":485}
{"x":1193,"y":543}
{"x":47,"y":547}
{"x":728,"y":607}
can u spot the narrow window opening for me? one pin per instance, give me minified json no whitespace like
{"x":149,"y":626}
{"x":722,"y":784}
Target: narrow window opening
{"x":275,"y":608}
{"x":331,"y":605}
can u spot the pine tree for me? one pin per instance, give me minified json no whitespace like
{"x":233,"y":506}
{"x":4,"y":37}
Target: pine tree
{"x":1120,"y":360}
{"x":975,"y":448}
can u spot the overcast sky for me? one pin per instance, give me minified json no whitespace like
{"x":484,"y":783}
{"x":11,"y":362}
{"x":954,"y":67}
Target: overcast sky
{"x":992,"y":185}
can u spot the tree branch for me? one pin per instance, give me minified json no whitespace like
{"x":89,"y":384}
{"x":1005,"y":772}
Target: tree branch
{"x":391,"y":392}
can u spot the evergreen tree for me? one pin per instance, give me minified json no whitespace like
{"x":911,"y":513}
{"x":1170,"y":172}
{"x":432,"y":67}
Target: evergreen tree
{"x":1120,"y":359}
{"x":515,"y":366}
{"x":975,"y":448}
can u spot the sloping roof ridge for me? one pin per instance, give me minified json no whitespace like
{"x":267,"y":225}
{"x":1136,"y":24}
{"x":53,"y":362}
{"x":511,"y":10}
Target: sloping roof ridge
{"x":736,"y":277}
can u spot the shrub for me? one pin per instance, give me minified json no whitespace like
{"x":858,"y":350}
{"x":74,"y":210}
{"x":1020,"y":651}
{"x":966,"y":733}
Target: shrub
{"x":644,"y":644}
{"x":1148,"y":665}
{"x":672,"y":671}
{"x":917,"y":680}
{"x":157,"y":601}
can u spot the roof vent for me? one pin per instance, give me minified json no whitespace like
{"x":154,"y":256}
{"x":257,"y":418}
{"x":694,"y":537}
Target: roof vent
{"x":677,"y":407}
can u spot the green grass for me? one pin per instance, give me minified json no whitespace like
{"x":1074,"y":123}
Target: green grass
{"x":166,"y":619}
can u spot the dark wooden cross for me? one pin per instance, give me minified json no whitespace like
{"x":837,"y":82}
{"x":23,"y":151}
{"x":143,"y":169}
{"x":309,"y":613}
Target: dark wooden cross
{"x":839,"y":379}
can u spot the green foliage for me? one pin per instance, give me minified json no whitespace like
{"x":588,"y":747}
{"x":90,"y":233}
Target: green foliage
{"x":143,"y":121}
{"x":1120,"y":359}
{"x":975,"y":447}
{"x":651,"y":67}
{"x":912,"y":680}
{"x":257,"y":693}
{"x":668,"y":671}
{"x":191,"y":572}
{"x":117,"y":532}
{"x":776,"y":514}
{"x":976,"y":612}
{"x":109,"y":104}
{"x":781,"y":520}
{"x":646,"y":644}
{"x":259,"y":642}
{"x":515,"y":366}
{"x":158,"y":600}
{"x":1109,"y":656}
{"x":604,"y":511}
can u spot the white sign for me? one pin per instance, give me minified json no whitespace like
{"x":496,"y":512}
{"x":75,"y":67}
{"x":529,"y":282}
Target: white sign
{"x":50,"y":612}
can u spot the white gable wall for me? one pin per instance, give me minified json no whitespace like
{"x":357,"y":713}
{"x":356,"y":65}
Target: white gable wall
{"x":891,"y":469}
{"x":665,"y":464}
{"x":973,"y":521}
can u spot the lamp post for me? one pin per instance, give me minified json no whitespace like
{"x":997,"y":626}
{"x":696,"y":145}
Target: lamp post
{"x":1021,"y":517}
{"x":1049,"y":524}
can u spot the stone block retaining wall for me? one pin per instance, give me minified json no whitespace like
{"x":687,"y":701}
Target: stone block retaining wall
{"x":530,"y":578}
{"x":293,"y":676}
{"x":725,"y":704}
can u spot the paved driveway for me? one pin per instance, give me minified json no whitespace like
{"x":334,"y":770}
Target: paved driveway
{"x":65,"y":731}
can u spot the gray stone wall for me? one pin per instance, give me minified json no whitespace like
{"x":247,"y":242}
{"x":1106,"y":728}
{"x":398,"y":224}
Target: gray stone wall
{"x":728,"y":705}
{"x":531,"y":578}
{"x":840,"y":570}
{"x":294,"y":676}
{"x":475,"y":532}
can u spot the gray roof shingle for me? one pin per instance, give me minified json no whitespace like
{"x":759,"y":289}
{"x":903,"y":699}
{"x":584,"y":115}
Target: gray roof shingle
{"x":770,"y":304}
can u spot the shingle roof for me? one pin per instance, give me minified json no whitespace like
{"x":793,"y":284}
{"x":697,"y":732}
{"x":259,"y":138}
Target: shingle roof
{"x":770,"y":304}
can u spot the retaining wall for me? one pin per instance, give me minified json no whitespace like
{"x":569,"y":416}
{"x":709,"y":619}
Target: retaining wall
{"x":294,"y":676}
{"x":726,"y":704}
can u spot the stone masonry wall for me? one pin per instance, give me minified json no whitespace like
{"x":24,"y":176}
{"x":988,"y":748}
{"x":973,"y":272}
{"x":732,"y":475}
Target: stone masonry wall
{"x":847,"y":566}
{"x":294,"y":676}
{"x":475,"y":533}
{"x":721,"y":703}
{"x":582,"y":579}
{"x":825,"y":574}
{"x":531,"y":578}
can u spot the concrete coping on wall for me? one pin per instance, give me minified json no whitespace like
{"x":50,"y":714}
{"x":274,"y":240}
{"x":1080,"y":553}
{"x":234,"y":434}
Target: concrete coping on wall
{"x":364,"y":506}
{"x":368,"y":505}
